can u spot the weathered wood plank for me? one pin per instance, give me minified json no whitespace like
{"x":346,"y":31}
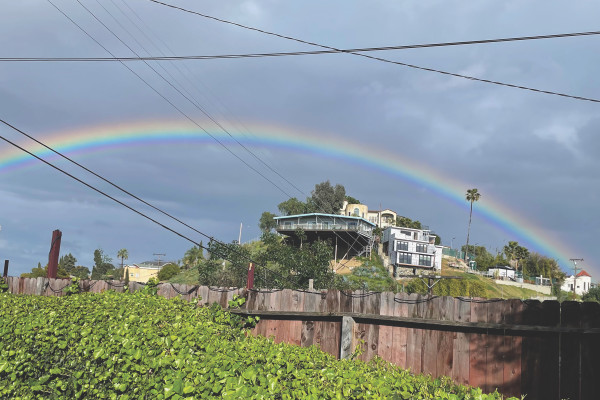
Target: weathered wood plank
{"x":570,"y":352}
{"x":296,"y":326}
{"x":494,"y":345}
{"x":400,"y":309}
{"x":511,"y":376}
{"x":311,"y":301}
{"x":371,"y":336}
{"x":331,"y":330}
{"x":461,"y":346}
{"x":445,"y":346}
{"x":431,"y":337}
{"x":477,"y":343}
{"x":385,"y":340}
{"x":590,"y":345}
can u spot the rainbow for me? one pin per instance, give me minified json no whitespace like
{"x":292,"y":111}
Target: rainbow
{"x":102,"y":138}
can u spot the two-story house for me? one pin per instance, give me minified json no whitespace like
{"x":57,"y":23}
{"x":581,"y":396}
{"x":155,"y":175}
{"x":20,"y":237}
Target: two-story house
{"x":411,"y":251}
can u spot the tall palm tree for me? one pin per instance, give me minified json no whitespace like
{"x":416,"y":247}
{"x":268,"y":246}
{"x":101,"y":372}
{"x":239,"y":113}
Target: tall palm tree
{"x":472,"y":196}
{"x":123,"y":255}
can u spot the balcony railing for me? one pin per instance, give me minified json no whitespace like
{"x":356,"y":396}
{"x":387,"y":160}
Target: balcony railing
{"x":326,"y":227}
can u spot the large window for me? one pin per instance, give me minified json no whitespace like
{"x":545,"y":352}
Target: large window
{"x":425,"y":260}
{"x":402,"y":246}
{"x":421,"y":248}
{"x":404,"y":258}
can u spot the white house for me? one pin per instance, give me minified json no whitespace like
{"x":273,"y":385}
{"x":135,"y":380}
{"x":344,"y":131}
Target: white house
{"x":411,"y":250}
{"x":583,"y":282}
{"x":502,"y":272}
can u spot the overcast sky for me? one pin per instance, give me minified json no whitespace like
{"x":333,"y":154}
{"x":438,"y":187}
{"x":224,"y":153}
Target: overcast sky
{"x":395,"y":137}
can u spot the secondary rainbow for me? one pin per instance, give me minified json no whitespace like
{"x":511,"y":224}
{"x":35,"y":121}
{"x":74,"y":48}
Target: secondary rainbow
{"x":102,"y":138}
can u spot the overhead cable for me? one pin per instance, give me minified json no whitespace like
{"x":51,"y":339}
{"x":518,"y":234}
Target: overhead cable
{"x":377,"y":58}
{"x":295,"y":53}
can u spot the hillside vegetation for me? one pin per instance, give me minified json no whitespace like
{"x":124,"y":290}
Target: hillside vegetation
{"x":140,"y":346}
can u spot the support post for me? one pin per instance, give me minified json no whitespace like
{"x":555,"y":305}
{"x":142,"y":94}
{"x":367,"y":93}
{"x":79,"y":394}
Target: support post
{"x":5,"y":273}
{"x":53,"y":255}
{"x":347,"y":342}
{"x":311,"y":283}
{"x":250,"y":280}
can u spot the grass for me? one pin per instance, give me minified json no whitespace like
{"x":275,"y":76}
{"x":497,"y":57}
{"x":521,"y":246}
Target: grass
{"x":492,"y":289}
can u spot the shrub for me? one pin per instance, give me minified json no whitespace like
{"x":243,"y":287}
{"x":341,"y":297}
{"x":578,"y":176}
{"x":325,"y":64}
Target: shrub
{"x":167,"y":272}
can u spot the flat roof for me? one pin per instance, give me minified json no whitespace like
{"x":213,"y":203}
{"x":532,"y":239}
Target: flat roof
{"x":326,"y":215}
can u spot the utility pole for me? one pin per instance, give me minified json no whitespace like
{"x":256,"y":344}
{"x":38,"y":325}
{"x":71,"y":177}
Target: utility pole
{"x":158,"y":256}
{"x":575,"y":275}
{"x":240,"y":237}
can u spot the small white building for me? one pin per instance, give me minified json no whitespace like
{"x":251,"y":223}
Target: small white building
{"x":583,"y":282}
{"x":410,"y":250}
{"x":502,"y":272}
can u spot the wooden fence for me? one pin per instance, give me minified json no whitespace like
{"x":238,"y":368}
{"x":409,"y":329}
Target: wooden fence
{"x":547,"y":350}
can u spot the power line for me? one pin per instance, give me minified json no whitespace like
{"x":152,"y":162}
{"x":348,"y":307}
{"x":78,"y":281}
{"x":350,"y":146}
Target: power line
{"x":233,"y":250}
{"x":296,"y":53}
{"x":164,"y":97}
{"x":187,"y":98}
{"x":385,"y":60}
{"x":101,"y":192}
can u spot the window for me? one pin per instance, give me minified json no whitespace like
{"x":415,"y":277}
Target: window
{"x":356,"y":212}
{"x":424,"y":260}
{"x":402,"y":246}
{"x":421,"y":248}
{"x":404,"y":258}
{"x":407,"y":233}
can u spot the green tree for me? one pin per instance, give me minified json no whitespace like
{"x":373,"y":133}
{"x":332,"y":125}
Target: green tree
{"x":472,"y":196}
{"x":102,"y":265}
{"x":292,"y":206}
{"x":123,"y":255}
{"x":67,"y":262}
{"x":326,"y":198}
{"x":168,"y":271}
{"x":294,"y":266}
{"x":515,"y":253}
{"x":40,"y":272}
{"x":193,"y":257}
{"x":36,"y":272}
{"x":81,"y":272}
{"x":406,"y":222}
{"x":535,"y":264}
{"x":592,"y":295}
{"x":267,"y":222}
{"x":352,"y":200}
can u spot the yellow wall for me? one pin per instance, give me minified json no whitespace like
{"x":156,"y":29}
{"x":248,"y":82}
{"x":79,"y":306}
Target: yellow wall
{"x":137,"y":274}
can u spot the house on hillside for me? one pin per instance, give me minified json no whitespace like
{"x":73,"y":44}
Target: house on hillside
{"x":350,"y":235}
{"x":381,"y":218}
{"x":412,"y":251}
{"x":582,"y":284}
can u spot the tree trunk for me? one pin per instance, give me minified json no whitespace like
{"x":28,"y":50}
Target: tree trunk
{"x":468,"y":233}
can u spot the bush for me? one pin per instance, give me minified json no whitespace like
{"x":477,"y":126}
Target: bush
{"x":449,"y":287}
{"x":135,"y":346}
{"x":167,"y":272}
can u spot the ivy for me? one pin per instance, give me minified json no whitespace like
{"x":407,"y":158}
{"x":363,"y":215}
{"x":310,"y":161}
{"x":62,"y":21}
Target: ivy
{"x":137,"y":346}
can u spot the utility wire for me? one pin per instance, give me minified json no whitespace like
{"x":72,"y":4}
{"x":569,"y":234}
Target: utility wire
{"x":99,"y":191}
{"x":128,"y":193}
{"x":376,"y":58}
{"x":297,"y":53}
{"x":169,"y":101}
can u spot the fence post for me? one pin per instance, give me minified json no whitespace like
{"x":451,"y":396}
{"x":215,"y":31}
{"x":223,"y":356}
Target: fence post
{"x":54,"y":252}
{"x":5,"y":273}
{"x":250,"y":280}
{"x":347,"y":342}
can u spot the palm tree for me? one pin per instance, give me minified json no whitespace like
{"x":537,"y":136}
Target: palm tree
{"x":123,"y":255}
{"x":472,"y":196}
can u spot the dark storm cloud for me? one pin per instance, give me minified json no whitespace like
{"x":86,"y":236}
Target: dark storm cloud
{"x":533,"y":153}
